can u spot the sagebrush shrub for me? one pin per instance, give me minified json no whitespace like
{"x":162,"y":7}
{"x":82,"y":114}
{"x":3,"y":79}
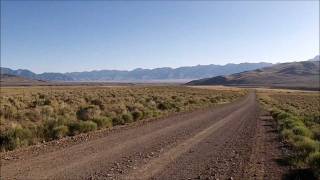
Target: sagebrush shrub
{"x":81,"y":127}
{"x":103,"y":122}
{"x":127,"y":117}
{"x":314,"y":162}
{"x":164,"y":106}
{"x":302,"y":130}
{"x":88,"y":112}
{"x":297,"y":116}
{"x":118,"y":121}
{"x":305,"y":144}
{"x":15,"y":137}
{"x":137,"y":115}
{"x":63,"y":111}
{"x":60,"y":131}
{"x":86,"y":126}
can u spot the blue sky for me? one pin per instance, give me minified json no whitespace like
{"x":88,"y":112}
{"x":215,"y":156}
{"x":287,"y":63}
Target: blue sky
{"x":65,"y":36}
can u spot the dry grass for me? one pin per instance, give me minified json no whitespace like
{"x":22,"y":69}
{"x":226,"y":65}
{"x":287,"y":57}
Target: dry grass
{"x":35,"y":114}
{"x":270,"y":90}
{"x":298,"y":117}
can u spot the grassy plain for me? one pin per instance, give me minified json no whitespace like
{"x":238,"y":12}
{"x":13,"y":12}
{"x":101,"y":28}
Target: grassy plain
{"x":30,"y":115}
{"x":298,"y":118}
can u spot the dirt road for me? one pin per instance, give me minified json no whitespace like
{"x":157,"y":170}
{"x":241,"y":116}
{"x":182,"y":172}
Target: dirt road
{"x":222,"y":142}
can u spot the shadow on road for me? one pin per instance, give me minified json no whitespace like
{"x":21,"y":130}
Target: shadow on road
{"x":300,"y":174}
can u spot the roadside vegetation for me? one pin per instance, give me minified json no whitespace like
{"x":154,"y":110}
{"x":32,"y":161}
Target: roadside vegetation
{"x":31,"y":115}
{"x":298,"y":120}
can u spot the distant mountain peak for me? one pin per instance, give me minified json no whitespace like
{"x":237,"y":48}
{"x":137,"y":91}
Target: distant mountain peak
{"x":316,"y":58}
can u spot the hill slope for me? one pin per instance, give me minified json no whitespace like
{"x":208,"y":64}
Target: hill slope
{"x":13,"y":80}
{"x":303,"y":74}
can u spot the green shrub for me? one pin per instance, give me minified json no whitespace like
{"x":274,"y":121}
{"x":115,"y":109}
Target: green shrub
{"x":33,"y":115}
{"x":60,"y":131}
{"x":192,"y":101}
{"x":97,"y":102}
{"x":305,"y":144}
{"x":289,"y":122}
{"x":74,"y":128}
{"x":47,"y":111}
{"x":7,"y":110}
{"x":15,"y":137}
{"x":103,"y":122}
{"x":86,"y":126}
{"x":316,"y":131}
{"x":48,"y":126}
{"x":55,"y":128}
{"x":298,"y":120}
{"x":61,"y":111}
{"x":283,"y":115}
{"x":301,"y":130}
{"x":117,"y":121}
{"x":127,"y":117}
{"x":137,"y":115}
{"x":147,"y":113}
{"x":274,"y":113}
{"x":156,"y":113}
{"x":164,"y":106}
{"x":213,"y":100}
{"x":287,"y":134}
{"x":81,"y":127}
{"x":314,"y":160}
{"x":178,"y":108}
{"x":88,"y":113}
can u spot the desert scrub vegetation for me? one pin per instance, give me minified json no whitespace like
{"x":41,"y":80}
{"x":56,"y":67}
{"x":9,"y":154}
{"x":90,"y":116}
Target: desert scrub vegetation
{"x":30,"y":115}
{"x":298,"y":119}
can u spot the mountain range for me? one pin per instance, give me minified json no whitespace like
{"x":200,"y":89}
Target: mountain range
{"x":139,"y":74}
{"x":304,"y":74}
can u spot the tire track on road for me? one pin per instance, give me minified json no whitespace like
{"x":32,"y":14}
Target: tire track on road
{"x":156,"y":165}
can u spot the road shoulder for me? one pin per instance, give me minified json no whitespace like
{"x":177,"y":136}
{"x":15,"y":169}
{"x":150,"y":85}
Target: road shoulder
{"x":268,"y":151}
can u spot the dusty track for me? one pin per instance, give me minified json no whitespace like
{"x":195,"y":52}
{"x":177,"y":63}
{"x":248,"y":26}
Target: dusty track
{"x":219,"y":143}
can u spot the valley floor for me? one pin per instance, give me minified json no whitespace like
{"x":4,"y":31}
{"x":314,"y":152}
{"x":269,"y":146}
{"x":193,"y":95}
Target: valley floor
{"x":229,"y":141}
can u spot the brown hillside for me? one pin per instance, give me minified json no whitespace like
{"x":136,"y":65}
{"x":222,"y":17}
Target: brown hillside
{"x":303,"y":74}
